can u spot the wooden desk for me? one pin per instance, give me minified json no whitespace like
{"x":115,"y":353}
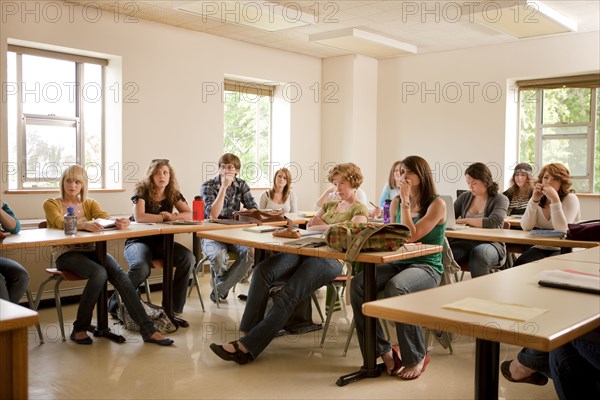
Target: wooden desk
{"x":514,"y":221}
{"x":14,"y":321}
{"x":588,"y":255}
{"x":267,"y":242}
{"x":53,"y":237}
{"x":513,"y":236}
{"x":570,"y":314}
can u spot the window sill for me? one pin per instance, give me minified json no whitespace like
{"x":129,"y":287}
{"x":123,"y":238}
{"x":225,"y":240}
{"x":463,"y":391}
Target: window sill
{"x":588,"y":195}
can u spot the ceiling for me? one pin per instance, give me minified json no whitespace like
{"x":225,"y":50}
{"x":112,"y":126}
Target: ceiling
{"x":431,"y":26}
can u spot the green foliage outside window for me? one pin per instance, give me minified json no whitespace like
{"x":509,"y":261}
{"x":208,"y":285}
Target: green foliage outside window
{"x":563,"y":132}
{"x":248,"y":135}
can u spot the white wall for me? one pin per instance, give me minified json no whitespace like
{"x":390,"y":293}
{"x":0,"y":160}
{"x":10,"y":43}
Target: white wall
{"x":171,"y":119}
{"x":422,"y":112}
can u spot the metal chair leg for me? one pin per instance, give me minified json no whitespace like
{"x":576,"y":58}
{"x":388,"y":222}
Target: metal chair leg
{"x":331,"y":306}
{"x":59,"y":307}
{"x":34,"y":308}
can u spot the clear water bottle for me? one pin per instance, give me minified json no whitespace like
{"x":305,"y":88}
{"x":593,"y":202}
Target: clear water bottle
{"x":386,"y":211}
{"x":70,"y":223}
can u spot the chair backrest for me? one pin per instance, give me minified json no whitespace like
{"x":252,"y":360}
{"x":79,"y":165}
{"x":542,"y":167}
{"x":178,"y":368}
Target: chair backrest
{"x":43,"y":224}
{"x":506,"y":225}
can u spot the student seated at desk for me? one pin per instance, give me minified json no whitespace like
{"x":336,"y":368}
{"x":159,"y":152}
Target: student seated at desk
{"x":280,"y":196}
{"x":419,"y":208}
{"x":302,"y":274}
{"x":81,"y":259}
{"x":520,"y":190}
{"x":482,"y":207}
{"x":574,"y":367}
{"x":223,"y":195}
{"x":390,"y":189}
{"x":552,"y":206}
{"x":14,"y":278}
{"x":156,"y":196}
{"x":331,"y":195}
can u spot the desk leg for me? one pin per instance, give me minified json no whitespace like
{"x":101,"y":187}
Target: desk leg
{"x":487,"y":359}
{"x":102,"y":307}
{"x":167,"y":300}
{"x":369,"y":368}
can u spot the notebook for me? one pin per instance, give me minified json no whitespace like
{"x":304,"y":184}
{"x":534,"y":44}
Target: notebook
{"x":451,"y":224}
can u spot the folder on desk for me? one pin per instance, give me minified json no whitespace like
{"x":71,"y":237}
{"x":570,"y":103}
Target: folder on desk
{"x":570,"y":280}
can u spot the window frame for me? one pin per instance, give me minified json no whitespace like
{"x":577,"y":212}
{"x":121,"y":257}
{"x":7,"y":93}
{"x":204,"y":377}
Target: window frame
{"x":592,"y":82}
{"x":77,"y":121}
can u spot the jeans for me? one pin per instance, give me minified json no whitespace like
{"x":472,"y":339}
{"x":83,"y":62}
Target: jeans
{"x":218,"y":256}
{"x":575,"y":368}
{"x":533,"y":254}
{"x":536,"y":360}
{"x":87,"y":265}
{"x":139,"y":256}
{"x":395,"y":279}
{"x":480,"y":256}
{"x":302,"y":276}
{"x":14,"y":280}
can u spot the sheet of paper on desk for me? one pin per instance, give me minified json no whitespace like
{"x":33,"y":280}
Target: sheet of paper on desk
{"x":570,"y":279}
{"x":107,"y":224}
{"x":515,"y":312}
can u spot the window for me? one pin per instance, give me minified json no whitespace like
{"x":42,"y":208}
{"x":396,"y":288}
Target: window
{"x":559,"y":122}
{"x":55,"y":113}
{"x":247,"y":129}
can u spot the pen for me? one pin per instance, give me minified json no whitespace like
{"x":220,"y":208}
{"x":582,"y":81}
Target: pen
{"x":373,"y":204}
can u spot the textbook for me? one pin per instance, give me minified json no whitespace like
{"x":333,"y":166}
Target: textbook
{"x":571,"y":280}
{"x":261,"y":228}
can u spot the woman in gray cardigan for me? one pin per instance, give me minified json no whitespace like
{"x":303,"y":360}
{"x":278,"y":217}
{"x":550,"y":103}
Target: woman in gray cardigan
{"x":482,"y":207}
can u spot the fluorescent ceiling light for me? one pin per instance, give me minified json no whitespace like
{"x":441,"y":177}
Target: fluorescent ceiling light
{"x":263,"y":15}
{"x":523,"y":19}
{"x":361,"y":42}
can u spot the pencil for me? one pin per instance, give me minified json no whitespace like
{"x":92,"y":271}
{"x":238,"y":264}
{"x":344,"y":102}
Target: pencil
{"x":372,"y":204}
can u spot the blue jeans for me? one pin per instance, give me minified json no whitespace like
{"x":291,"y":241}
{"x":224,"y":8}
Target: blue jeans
{"x":395,"y":279}
{"x":575,"y":368}
{"x":14,"y":280}
{"x":139,"y":256}
{"x":536,"y":360}
{"x":302,"y":276}
{"x":219,"y":260}
{"x":480,"y":256}
{"x":86,"y":265}
{"x":533,"y":254}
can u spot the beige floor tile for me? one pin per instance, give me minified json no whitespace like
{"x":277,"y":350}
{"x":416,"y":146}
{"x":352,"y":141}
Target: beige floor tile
{"x":292,"y":367}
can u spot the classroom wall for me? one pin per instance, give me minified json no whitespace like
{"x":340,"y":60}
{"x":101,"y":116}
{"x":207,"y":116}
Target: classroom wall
{"x":168,"y":117}
{"x":450,"y":107}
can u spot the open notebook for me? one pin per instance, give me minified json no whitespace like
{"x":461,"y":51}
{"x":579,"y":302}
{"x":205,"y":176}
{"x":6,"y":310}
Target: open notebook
{"x":451,"y":224}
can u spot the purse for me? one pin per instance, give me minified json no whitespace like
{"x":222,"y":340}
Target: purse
{"x":589,"y":230}
{"x":356,"y":237}
{"x":259,"y":216}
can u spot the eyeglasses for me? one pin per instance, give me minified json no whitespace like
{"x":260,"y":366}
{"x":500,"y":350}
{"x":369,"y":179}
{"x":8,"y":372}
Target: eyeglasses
{"x":160,"y":160}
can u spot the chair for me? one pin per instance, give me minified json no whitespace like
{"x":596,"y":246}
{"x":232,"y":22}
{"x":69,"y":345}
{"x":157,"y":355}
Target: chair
{"x":56,"y":276}
{"x":159,"y":263}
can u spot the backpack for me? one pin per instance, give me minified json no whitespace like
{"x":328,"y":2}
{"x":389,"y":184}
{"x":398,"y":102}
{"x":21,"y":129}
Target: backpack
{"x":157,"y":314}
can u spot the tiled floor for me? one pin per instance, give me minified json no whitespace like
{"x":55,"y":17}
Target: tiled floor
{"x":291,"y":367}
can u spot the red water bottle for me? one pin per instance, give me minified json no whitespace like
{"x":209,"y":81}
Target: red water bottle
{"x":198,"y":209}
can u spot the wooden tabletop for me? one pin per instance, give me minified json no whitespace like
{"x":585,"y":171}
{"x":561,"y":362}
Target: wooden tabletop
{"x":13,"y":316}
{"x":514,"y":236}
{"x":268,"y":242}
{"x":52,"y":237}
{"x":588,"y":255}
{"x":570,"y":314}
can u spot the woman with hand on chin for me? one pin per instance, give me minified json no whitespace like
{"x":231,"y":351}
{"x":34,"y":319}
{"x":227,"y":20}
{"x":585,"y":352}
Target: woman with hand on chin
{"x":81,"y":259}
{"x":424,"y":213}
{"x":552,"y":206}
{"x":280,"y":196}
{"x":302,"y":274}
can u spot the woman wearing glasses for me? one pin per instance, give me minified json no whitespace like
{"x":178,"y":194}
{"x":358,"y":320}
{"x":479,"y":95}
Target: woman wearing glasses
{"x":156,"y":196}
